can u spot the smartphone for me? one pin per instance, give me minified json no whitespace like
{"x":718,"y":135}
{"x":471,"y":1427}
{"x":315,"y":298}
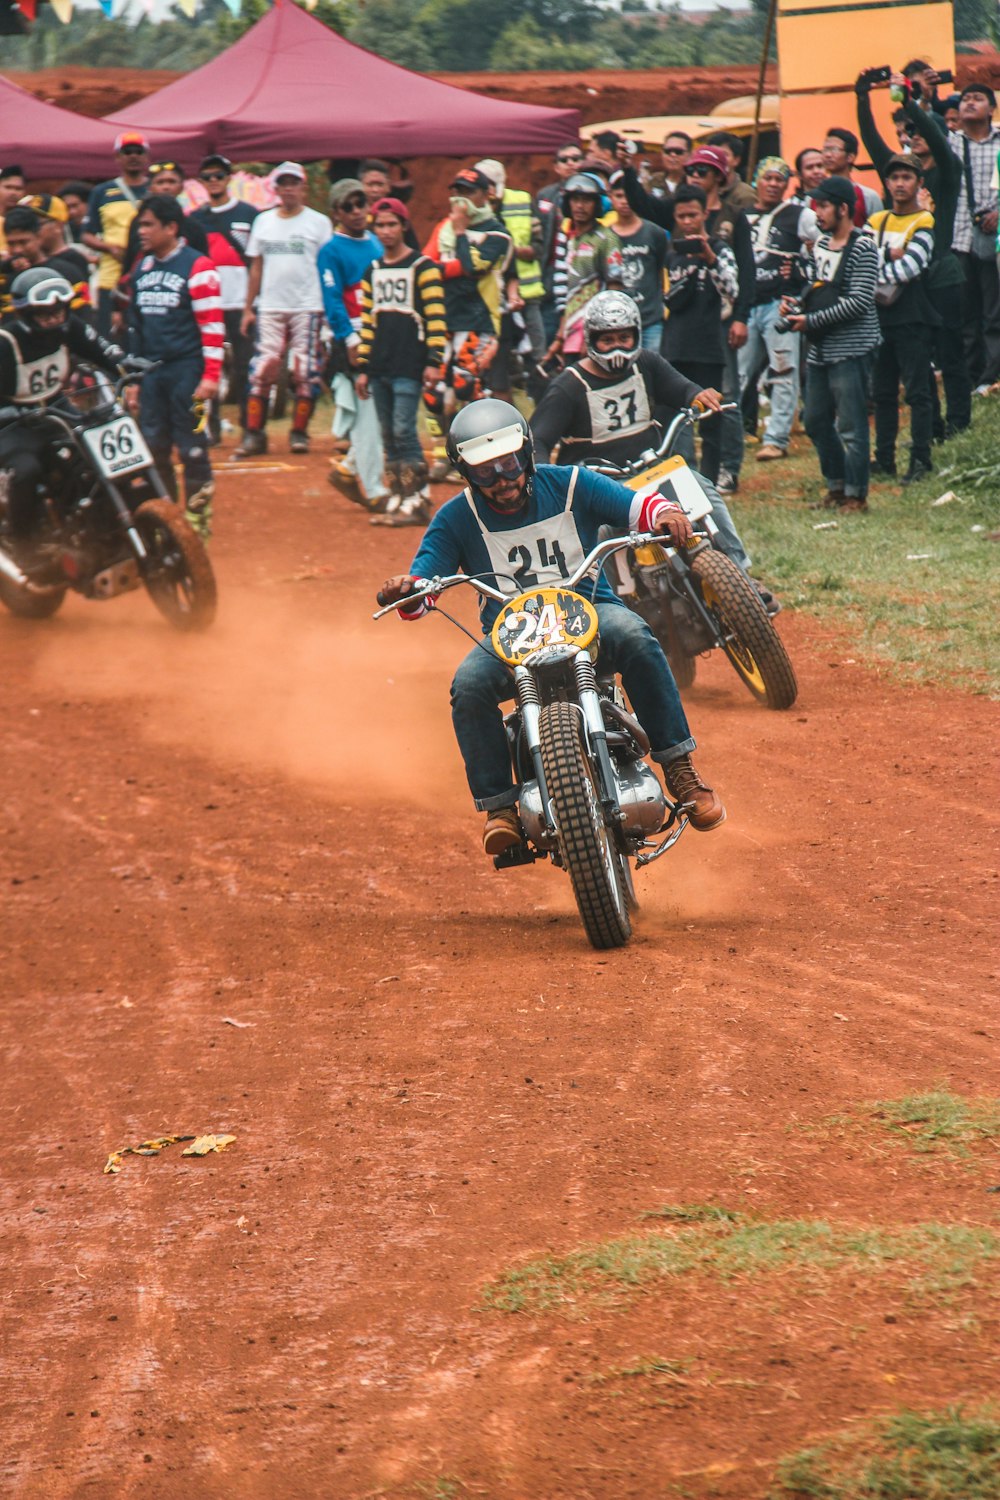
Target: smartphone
{"x":879,"y":75}
{"x":688,"y":247}
{"x":946,"y":76}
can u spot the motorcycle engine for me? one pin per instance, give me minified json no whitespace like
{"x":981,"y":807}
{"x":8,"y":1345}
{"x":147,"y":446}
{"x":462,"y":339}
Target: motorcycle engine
{"x":641,"y":796}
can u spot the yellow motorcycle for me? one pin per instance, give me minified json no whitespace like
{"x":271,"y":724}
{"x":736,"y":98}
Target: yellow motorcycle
{"x":695,"y":598}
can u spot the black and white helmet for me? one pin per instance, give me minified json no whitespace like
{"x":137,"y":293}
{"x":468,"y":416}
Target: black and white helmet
{"x":607,"y":311}
{"x":490,"y":440}
{"x":40,"y":288}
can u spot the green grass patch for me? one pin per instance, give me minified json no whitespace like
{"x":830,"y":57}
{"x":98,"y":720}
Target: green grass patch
{"x":943,"y":1258}
{"x":945,"y":1455}
{"x":693,"y":1213}
{"x":940,"y":1121}
{"x":923,"y":617}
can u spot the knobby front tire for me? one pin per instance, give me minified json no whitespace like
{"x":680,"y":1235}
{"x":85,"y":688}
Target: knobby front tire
{"x":177,"y":574}
{"x":26,"y":606}
{"x":750,"y":640}
{"x":589,"y":854}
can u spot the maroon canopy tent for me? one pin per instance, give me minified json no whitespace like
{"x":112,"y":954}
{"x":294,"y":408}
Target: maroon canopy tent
{"x":47,"y":141}
{"x":290,"y":87}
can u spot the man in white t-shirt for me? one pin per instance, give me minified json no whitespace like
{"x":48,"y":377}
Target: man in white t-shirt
{"x":284,"y":284}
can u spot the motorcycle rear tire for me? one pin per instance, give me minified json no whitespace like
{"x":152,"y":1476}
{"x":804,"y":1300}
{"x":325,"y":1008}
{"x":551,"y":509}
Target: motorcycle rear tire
{"x":588,"y":851}
{"x":751,"y":642}
{"x":178,"y":575}
{"x":27,"y":606}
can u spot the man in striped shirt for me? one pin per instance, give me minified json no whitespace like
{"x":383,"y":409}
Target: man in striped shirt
{"x":975,"y":143}
{"x":904,"y":235}
{"x":837,"y":315}
{"x":176,"y":319}
{"x":402,"y":345}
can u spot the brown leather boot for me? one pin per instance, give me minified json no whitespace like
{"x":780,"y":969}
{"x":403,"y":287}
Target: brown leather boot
{"x":703,"y":807}
{"x":502,"y":830}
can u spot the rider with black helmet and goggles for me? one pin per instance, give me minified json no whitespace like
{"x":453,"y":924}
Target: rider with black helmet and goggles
{"x":524,"y":527}
{"x":609,"y":408}
{"x":37,"y":344}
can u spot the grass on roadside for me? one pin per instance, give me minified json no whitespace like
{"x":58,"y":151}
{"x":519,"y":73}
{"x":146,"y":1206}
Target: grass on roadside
{"x":910,"y":583}
{"x":943,"y":1257}
{"x":945,"y":1455}
{"x":938,"y":1123}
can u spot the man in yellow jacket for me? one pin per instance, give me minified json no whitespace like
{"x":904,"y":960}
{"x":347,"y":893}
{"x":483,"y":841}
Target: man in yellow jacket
{"x":524,"y":286}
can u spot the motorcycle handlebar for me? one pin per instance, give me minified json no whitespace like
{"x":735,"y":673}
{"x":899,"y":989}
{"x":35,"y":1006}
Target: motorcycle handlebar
{"x":440,"y":585}
{"x":687,"y":416}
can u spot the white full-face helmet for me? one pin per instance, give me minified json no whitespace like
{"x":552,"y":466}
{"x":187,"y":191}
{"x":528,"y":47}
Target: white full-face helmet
{"x":607,"y":312}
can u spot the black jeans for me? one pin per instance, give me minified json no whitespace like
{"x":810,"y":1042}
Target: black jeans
{"x":704,"y":375}
{"x":903,"y":355}
{"x":949,"y":356}
{"x":23,"y":461}
{"x":981,"y":318}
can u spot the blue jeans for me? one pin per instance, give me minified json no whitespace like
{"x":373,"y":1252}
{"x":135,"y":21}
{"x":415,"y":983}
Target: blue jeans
{"x":652,"y":335}
{"x":781,"y":351}
{"x":397,"y":398}
{"x":731,"y":430}
{"x":167,"y":421}
{"x":837,"y":423}
{"x":482,"y":683}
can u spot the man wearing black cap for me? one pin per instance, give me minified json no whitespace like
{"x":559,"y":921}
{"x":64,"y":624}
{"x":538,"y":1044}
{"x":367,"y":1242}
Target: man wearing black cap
{"x":975,"y":143}
{"x":837,"y":315}
{"x":227,"y":223}
{"x":905,"y":238}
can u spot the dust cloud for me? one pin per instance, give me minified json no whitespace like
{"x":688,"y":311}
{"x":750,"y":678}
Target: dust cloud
{"x":356,"y":709}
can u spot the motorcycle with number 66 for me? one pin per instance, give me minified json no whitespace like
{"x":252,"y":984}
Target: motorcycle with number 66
{"x":589,"y":801}
{"x":108,"y":525}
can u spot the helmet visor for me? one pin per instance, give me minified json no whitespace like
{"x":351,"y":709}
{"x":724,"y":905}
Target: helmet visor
{"x":504,"y":466}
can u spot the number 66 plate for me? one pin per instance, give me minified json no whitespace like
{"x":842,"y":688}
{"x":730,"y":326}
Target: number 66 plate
{"x":117,"y":447}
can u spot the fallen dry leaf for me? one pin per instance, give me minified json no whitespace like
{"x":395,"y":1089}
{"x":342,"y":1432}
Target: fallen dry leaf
{"x":206,"y":1143}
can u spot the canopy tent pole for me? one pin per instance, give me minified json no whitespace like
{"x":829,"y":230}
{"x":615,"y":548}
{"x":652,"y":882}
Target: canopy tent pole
{"x":765,"y":49}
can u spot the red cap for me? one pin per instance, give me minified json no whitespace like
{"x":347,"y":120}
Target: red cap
{"x":710,"y":156}
{"x":391,"y":206}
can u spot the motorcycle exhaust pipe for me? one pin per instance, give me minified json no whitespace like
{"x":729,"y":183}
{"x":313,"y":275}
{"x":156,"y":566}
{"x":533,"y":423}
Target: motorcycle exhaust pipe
{"x":10,"y":570}
{"x":13,"y":574}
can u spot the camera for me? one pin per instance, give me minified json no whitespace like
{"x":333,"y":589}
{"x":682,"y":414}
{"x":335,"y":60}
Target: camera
{"x":793,"y":306}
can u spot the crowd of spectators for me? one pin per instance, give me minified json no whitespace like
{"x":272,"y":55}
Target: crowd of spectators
{"x":800,"y":292}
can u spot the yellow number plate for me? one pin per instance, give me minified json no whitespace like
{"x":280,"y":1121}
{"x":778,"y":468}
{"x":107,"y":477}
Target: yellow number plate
{"x":545,"y":617}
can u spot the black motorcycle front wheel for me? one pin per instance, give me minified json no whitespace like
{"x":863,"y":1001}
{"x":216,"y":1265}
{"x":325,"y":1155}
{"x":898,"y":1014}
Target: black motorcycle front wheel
{"x":177,"y":573}
{"x":589,"y":854}
{"x":749,"y":638}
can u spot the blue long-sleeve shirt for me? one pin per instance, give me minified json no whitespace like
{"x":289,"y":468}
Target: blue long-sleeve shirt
{"x":342,"y":263}
{"x":454,"y":540}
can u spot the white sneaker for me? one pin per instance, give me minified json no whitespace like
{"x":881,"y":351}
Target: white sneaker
{"x":727,"y":484}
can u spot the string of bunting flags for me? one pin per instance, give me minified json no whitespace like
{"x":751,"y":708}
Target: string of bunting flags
{"x":63,"y":9}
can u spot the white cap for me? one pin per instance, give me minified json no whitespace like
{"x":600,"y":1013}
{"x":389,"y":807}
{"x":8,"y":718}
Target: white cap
{"x":289,"y":169}
{"x":495,"y":171}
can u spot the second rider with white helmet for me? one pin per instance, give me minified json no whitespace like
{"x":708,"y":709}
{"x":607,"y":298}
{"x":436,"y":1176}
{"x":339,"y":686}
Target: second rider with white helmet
{"x":612,"y":405}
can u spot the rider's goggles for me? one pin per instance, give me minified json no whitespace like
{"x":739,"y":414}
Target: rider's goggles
{"x":504,"y":466}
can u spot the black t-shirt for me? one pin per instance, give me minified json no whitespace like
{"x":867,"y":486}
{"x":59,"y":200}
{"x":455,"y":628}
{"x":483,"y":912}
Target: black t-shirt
{"x":608,"y":418}
{"x":695,"y":328}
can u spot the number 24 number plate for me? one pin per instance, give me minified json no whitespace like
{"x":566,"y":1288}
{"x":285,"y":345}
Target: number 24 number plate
{"x":117,"y":447}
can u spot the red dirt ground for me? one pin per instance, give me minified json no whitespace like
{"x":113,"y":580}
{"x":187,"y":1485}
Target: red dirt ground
{"x":434,"y":1077}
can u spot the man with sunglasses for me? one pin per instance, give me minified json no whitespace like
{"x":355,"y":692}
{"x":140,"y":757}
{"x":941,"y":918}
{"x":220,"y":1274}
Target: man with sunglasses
{"x":285,"y":301}
{"x":674,"y":154}
{"x":227,"y":222}
{"x":113,"y":206}
{"x":523,"y":528}
{"x":569,"y":159}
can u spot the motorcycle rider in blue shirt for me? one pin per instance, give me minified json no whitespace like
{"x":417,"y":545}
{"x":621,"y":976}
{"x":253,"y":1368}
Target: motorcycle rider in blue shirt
{"x":526,"y":527}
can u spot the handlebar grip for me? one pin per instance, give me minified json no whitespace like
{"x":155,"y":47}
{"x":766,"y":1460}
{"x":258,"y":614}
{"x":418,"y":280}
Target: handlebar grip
{"x":382,"y":599}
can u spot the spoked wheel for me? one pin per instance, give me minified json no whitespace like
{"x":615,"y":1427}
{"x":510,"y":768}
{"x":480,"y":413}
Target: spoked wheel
{"x":601,"y":887}
{"x":749,"y":638}
{"x":177,"y":574}
{"x":27,"y":606}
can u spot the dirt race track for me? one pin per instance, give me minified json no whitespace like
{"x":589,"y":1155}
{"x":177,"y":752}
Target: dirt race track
{"x":432,"y":1077}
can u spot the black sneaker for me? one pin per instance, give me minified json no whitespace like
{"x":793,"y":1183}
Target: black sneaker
{"x":916,"y":471}
{"x":883,"y":471}
{"x":298,"y":442}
